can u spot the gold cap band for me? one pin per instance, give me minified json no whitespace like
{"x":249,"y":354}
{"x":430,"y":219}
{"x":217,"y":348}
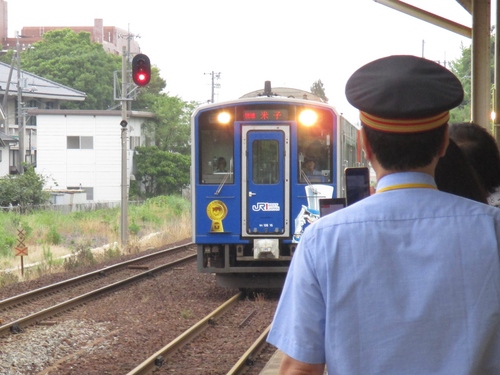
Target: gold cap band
{"x":404,"y":126}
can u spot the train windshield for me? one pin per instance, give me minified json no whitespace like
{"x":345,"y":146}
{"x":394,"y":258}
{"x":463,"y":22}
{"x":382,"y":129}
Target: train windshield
{"x":315,"y":149}
{"x":216,"y":145}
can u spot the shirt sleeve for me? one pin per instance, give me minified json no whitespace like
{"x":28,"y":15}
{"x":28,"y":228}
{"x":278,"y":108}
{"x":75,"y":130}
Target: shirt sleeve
{"x":298,"y":328}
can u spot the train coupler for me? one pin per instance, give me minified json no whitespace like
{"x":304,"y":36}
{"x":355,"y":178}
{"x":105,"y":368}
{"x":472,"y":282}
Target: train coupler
{"x":266,"y":249}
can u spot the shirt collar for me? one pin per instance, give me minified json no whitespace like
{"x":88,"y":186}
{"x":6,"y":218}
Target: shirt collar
{"x":406,"y":180}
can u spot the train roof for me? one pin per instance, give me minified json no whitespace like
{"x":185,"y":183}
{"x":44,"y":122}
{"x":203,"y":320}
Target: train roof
{"x":268,"y":94}
{"x":264,"y":99}
{"x":286,"y":92}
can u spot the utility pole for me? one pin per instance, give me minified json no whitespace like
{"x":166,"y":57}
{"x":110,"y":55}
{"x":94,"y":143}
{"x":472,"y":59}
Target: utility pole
{"x":20,"y":117}
{"x":214,"y":85}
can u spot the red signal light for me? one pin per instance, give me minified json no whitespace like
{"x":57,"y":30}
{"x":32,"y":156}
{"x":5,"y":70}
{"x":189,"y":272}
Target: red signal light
{"x":141,"y":70}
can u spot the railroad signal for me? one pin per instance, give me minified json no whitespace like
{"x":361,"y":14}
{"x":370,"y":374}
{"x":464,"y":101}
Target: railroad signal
{"x":141,"y":70}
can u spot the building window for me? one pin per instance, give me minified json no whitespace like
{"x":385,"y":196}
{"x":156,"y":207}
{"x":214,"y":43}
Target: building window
{"x":73,"y":142}
{"x":77,"y":142}
{"x":87,"y":143}
{"x":30,"y":120}
{"x":135,"y":142}
{"x":49,"y":105}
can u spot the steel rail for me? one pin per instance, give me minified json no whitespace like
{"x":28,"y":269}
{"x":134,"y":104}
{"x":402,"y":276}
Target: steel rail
{"x":249,"y":356}
{"x":156,"y":360}
{"x":64,"y":306}
{"x":16,"y":300}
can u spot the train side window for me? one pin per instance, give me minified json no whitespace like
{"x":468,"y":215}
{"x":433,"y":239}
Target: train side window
{"x":216,"y":147}
{"x":265,"y":162}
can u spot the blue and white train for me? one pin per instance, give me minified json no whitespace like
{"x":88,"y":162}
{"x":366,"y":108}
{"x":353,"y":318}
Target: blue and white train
{"x":251,"y":197}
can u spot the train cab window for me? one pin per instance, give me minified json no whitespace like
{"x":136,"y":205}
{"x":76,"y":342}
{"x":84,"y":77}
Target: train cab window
{"x":265,"y":162}
{"x":217,"y":155}
{"x":315,"y":152}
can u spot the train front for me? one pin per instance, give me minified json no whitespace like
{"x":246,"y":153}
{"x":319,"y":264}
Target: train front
{"x":259,"y":169}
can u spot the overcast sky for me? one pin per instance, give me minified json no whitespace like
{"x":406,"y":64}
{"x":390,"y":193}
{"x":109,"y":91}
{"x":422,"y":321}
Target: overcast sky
{"x":291,"y":43}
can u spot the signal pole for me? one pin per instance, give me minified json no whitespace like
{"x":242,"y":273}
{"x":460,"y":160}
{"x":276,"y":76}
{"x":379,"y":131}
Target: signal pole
{"x":214,"y":85}
{"x":129,"y":37}
{"x":141,"y":71}
{"x":123,"y":124}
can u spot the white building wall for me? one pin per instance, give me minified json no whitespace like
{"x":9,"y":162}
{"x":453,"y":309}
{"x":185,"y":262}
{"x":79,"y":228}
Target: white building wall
{"x":99,"y":168}
{"x":4,"y":163}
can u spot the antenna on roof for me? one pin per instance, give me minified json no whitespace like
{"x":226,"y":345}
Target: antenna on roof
{"x":267,"y":89}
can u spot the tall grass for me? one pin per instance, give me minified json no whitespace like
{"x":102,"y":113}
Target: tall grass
{"x":51,"y":235}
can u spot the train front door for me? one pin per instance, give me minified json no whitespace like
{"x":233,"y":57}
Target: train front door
{"x":265,"y":181}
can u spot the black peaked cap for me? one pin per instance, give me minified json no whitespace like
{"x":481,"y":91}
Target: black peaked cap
{"x":403,"y":87}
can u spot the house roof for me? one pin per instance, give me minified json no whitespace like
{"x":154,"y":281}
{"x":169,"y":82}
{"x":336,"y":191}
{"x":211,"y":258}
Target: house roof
{"x":87,"y":112}
{"x":5,"y":139}
{"x":35,"y":86}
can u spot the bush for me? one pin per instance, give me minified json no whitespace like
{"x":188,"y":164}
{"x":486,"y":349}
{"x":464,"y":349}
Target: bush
{"x":134,"y":228}
{"x":80,"y":258}
{"x":53,"y":237}
{"x":7,"y":244}
{"x":25,"y":189}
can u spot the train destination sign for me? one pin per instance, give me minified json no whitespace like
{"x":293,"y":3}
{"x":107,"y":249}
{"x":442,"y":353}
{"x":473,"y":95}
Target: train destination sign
{"x":265,"y":115}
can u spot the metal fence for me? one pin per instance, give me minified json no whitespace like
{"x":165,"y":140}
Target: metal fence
{"x":67,"y":208}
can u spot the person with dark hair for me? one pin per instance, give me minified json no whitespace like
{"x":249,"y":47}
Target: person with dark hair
{"x":407,"y":280}
{"x":454,"y":174}
{"x":221,"y":166}
{"x":309,"y":167}
{"x":481,"y":149}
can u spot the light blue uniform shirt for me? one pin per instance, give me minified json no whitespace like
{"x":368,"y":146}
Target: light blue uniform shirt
{"x":406,"y":281}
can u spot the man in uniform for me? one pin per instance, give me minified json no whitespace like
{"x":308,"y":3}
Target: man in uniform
{"x":407,"y":280}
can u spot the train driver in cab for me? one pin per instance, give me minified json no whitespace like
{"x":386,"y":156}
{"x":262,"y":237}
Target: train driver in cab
{"x":309,"y":170}
{"x":221,"y":165}
{"x":309,"y":167}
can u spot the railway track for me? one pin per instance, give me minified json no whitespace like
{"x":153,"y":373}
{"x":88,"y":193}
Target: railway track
{"x":38,"y":305}
{"x":166,"y":359}
{"x":115,"y":332}
{"x":158,"y":359}
{"x":248,"y":358}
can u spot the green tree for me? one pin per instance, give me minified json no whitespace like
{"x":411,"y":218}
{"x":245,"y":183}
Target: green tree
{"x":8,"y":57}
{"x":75,"y":61}
{"x":24,"y":190}
{"x":171,"y":126}
{"x":462,"y":69}
{"x":161,"y":172}
{"x":318,"y":90}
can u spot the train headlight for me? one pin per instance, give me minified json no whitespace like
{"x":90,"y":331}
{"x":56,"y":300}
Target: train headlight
{"x":308,"y":117}
{"x":223,"y":118}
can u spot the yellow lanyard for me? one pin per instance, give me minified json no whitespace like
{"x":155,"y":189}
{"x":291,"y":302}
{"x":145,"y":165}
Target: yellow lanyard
{"x":406,"y":186}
